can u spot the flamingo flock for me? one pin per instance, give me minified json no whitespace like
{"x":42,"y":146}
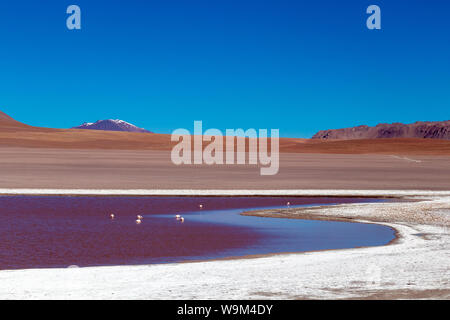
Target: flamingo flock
{"x":178,"y":217}
{"x":139,"y":218}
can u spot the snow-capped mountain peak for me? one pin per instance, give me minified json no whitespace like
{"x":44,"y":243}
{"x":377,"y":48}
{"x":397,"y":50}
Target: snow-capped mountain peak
{"x":111,"y":125}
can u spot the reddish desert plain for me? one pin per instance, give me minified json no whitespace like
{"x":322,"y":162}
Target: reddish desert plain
{"x":33,"y":157}
{"x":415,"y":265}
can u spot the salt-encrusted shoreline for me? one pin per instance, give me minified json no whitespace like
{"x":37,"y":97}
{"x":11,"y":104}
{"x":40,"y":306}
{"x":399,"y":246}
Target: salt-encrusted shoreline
{"x":415,"y":266}
{"x":223,"y":192}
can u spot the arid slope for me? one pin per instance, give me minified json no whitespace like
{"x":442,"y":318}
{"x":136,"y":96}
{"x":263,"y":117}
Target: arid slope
{"x":16,"y":134}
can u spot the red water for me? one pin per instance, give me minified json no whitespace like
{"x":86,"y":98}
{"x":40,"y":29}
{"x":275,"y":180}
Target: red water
{"x":41,"y":231}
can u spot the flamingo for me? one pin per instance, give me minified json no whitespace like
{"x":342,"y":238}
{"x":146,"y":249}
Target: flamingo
{"x":178,"y":217}
{"x":138,"y":221}
{"x":139,"y":217}
{"x":182,"y":219}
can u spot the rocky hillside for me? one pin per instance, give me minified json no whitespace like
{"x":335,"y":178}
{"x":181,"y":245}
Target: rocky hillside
{"x":430,"y":130}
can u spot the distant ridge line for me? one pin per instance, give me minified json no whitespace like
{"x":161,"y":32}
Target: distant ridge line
{"x":419,"y":129}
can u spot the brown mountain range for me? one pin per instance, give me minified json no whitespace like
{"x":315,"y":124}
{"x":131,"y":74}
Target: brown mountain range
{"x":427,"y":130}
{"x":16,"y":134}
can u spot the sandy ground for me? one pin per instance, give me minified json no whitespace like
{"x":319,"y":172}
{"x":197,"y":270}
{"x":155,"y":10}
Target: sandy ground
{"x":414,"y":266}
{"x":152,"y":169}
{"x":33,"y":157}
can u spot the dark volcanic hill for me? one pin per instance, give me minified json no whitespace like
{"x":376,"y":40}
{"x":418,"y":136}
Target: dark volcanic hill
{"x":111,"y":125}
{"x":430,"y":130}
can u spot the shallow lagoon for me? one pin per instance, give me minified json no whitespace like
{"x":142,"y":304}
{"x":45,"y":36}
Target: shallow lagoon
{"x":59,"y":231}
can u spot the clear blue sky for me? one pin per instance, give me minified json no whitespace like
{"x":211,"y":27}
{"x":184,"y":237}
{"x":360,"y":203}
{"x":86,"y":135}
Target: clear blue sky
{"x":299,"y":66}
